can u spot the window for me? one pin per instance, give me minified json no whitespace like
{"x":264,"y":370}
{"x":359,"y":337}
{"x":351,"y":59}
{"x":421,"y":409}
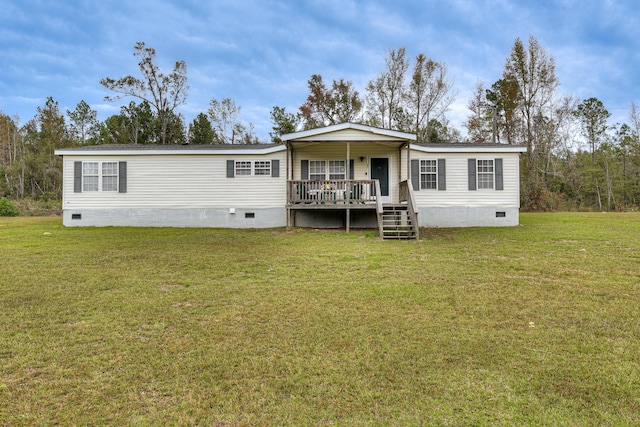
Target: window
{"x":262,"y":168}
{"x":98,"y":176}
{"x":485,"y":172}
{"x":429,"y":174}
{"x":317,"y":170}
{"x":337,"y":169}
{"x":110,"y":176}
{"x":243,"y":168}
{"x":90,"y":177}
{"x":253,"y":168}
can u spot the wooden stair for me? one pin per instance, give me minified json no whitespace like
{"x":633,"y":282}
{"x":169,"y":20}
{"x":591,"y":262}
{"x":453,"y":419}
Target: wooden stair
{"x":398,"y":222}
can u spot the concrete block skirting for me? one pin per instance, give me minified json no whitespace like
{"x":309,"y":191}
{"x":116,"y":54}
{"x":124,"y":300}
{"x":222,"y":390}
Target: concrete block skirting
{"x":459,"y":216}
{"x":187,"y":218}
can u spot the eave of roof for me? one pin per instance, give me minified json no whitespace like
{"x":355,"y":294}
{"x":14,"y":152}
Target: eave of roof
{"x":169,"y":149}
{"x":466,"y":147}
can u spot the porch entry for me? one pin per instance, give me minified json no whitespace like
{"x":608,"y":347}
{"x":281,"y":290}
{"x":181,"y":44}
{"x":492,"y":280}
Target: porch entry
{"x":380,"y":171}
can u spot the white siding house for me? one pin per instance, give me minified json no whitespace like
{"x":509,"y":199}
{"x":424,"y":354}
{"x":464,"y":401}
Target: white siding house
{"x":465,"y":185}
{"x":339,"y":176}
{"x":175,"y":186}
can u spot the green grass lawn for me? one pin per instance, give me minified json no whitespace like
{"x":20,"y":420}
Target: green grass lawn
{"x":532,"y":325}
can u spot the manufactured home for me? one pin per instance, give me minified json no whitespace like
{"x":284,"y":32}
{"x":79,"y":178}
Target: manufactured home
{"x":341,"y":176}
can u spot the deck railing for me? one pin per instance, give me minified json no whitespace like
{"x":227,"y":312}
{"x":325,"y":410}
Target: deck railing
{"x":332,"y":192}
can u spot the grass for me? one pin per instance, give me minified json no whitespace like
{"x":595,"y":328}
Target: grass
{"x":532,"y":325}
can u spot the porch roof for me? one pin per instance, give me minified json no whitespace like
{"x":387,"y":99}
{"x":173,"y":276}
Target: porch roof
{"x":348,"y":132}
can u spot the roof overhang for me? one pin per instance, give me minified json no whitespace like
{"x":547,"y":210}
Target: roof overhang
{"x":340,"y":133}
{"x":141,"y":150}
{"x":468,"y":148}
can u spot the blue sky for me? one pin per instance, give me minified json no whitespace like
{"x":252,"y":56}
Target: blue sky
{"x":260,"y":53}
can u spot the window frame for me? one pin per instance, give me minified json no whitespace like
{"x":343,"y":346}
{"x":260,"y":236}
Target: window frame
{"x":243,"y":168}
{"x":424,"y":174}
{"x":314,"y":173}
{"x":339,"y":171}
{"x":485,"y":174}
{"x":250,"y":168}
{"x":99,"y":174}
{"x":113,"y":175}
{"x":264,"y":166}
{"x":92,"y":174}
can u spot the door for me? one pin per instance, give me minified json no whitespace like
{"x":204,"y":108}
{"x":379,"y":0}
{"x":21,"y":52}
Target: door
{"x":380,"y":171}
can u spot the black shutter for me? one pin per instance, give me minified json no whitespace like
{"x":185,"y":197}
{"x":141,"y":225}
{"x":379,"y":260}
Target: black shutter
{"x":275,"y":168}
{"x":304,"y":169}
{"x":472,"y":174}
{"x":442,"y":174}
{"x":498,"y":171}
{"x":122,"y":177}
{"x":351,"y":166}
{"x":77,"y":177}
{"x":415,"y":174}
{"x":231,"y":168}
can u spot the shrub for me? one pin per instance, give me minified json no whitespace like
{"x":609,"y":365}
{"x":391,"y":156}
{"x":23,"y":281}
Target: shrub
{"x":31,"y":207}
{"x":7,"y":208}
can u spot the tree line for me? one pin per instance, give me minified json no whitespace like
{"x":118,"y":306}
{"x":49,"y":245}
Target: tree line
{"x":574,"y":158}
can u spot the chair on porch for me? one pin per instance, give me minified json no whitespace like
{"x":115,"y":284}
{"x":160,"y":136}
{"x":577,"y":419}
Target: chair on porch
{"x":356,"y":193}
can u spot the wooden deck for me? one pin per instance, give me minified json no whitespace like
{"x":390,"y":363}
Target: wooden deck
{"x":395,"y":221}
{"x":332,"y":194}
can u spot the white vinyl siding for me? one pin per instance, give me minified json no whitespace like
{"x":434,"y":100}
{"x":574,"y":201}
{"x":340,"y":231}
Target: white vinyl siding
{"x":179,"y":181}
{"x":457,"y":192}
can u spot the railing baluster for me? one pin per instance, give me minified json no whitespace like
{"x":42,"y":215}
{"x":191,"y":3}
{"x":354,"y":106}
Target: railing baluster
{"x":334,"y":191}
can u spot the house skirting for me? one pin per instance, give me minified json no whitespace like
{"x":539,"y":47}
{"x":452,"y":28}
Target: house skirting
{"x":460,"y":216}
{"x":188,"y":218}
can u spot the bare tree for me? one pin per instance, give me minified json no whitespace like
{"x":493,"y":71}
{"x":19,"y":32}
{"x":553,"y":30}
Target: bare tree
{"x":164,"y":92}
{"x":386,"y":93}
{"x":429,"y":95}
{"x":532,"y":71}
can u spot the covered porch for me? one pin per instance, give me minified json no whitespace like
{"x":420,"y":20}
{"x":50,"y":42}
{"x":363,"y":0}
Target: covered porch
{"x":347,"y":168}
{"x":346,"y":171}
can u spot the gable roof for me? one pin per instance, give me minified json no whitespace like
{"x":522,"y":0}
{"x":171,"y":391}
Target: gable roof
{"x":348,"y":131}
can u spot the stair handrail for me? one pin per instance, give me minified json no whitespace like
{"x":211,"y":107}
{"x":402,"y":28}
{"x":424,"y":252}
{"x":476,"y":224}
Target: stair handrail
{"x":379,"y":207}
{"x":407,"y":195}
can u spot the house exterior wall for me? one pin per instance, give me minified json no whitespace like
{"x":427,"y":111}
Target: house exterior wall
{"x":187,"y":190}
{"x":457,"y":205}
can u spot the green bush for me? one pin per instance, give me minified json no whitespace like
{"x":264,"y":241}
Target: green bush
{"x":7,"y":208}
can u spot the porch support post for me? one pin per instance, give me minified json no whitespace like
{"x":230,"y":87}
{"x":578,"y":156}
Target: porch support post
{"x":347,"y":190}
{"x":408,"y":160}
